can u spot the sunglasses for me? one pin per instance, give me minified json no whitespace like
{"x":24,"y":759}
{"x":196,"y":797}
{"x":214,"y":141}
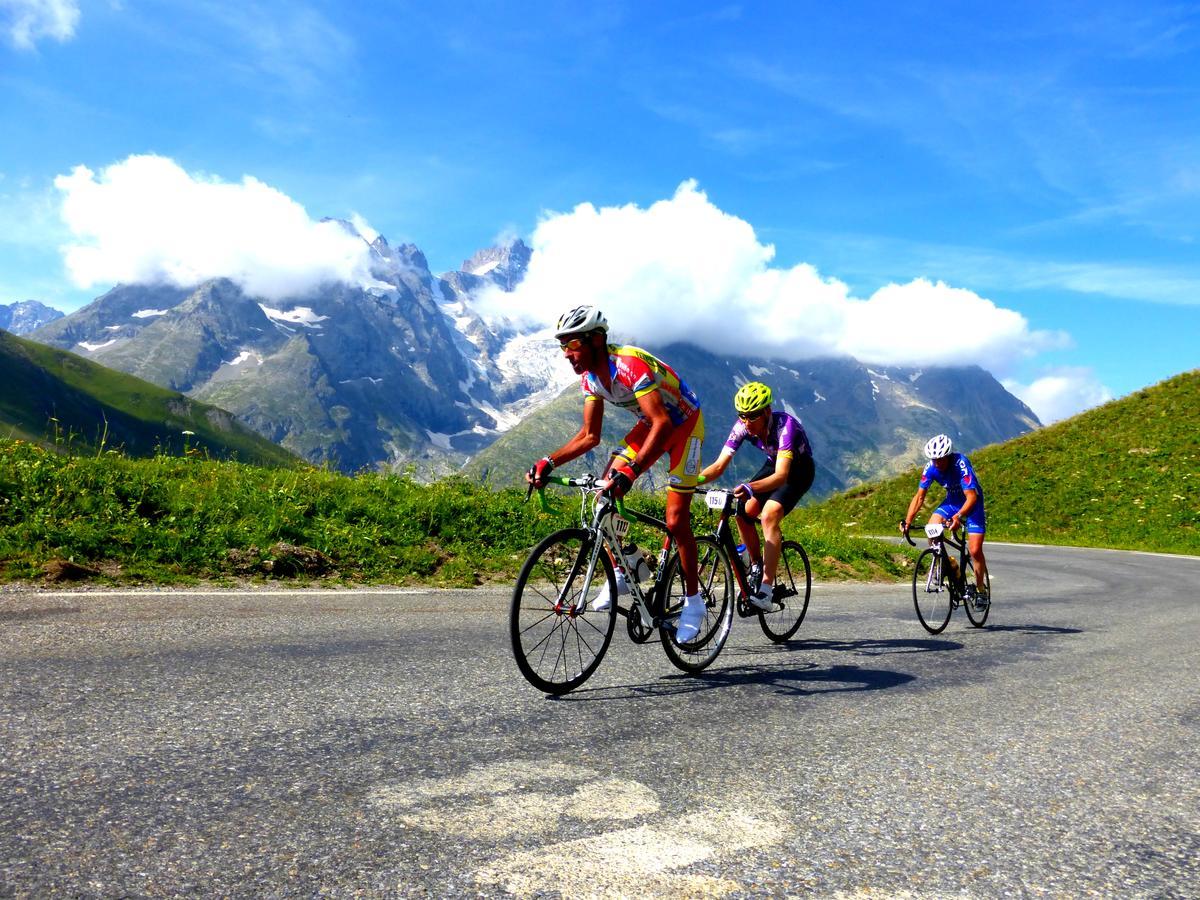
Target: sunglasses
{"x":572,"y":344}
{"x":750,"y":417}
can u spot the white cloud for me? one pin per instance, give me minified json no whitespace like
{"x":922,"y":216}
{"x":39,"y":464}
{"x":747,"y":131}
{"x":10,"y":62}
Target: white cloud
{"x":682,"y":269}
{"x":147,"y":220}
{"x":1061,"y":393}
{"x":30,"y":20}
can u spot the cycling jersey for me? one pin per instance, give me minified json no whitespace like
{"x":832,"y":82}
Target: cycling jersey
{"x":635,"y":373}
{"x":959,"y":479}
{"x":785,"y":437}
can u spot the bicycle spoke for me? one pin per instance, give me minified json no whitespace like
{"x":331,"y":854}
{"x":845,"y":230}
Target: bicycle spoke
{"x":793,"y":585}
{"x":557,"y":642}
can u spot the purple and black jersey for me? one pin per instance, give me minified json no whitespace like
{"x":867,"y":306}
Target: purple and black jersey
{"x":785,"y":437}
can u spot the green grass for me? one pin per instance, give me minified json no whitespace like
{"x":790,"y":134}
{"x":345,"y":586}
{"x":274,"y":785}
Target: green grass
{"x":176,"y":519}
{"x":1125,"y":475}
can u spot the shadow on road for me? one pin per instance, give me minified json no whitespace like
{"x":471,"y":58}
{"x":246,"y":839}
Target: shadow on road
{"x":796,"y":680}
{"x":1033,"y":629}
{"x":863,"y":646}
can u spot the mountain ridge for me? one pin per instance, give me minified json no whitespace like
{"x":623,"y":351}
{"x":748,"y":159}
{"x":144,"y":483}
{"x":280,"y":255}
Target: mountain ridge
{"x":405,"y":373}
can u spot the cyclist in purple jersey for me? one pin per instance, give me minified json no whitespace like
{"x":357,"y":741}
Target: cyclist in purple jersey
{"x":776,"y":488}
{"x":963,"y":503}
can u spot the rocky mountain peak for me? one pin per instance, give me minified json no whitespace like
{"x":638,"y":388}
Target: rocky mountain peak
{"x":24,"y":316}
{"x":504,"y":265}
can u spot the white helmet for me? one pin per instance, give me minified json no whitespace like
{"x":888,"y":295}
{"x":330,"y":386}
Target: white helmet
{"x":579,"y":320}
{"x":938,"y":446}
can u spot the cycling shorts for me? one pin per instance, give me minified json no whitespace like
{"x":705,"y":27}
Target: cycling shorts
{"x":975,"y":520}
{"x":799,"y":480}
{"x":683,"y":446}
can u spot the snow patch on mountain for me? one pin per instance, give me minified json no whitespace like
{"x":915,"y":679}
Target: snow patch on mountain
{"x":300,"y":315}
{"x":92,"y":348}
{"x":242,"y":357}
{"x":149,"y":313}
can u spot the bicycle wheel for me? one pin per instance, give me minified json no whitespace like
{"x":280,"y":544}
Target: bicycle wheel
{"x":977,"y":615}
{"x":931,"y":592}
{"x":557,"y":639}
{"x":717,"y":588}
{"x":793,"y":585}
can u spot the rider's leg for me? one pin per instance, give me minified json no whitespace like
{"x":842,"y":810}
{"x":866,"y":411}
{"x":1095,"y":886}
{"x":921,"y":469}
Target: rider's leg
{"x":679,"y":523}
{"x":749,"y":534}
{"x":975,"y":548}
{"x":772,"y":521}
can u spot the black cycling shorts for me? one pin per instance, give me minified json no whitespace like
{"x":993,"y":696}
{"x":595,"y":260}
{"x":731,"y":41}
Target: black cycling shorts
{"x":787,"y":495}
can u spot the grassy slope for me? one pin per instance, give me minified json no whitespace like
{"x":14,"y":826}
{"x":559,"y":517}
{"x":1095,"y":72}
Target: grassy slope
{"x":171,"y":519}
{"x":1124,"y":475}
{"x":51,"y":391}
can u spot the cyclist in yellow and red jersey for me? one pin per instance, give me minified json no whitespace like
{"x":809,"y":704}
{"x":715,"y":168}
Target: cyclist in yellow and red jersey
{"x":669,"y":422}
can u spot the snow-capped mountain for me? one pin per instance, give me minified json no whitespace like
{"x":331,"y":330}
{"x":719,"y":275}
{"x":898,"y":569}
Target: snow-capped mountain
{"x":402,"y":373}
{"x":25,"y":316}
{"x":407,"y":374}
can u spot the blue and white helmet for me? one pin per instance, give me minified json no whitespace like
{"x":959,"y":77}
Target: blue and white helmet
{"x":938,"y":446}
{"x":580,"y":320}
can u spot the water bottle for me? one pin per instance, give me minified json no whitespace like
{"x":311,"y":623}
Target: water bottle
{"x":745,"y":556}
{"x":635,"y":563}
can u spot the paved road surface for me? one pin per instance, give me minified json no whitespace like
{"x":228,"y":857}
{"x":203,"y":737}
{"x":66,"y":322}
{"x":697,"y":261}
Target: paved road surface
{"x":384,"y":744}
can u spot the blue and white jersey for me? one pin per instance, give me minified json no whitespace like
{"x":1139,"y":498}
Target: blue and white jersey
{"x":958,"y":479}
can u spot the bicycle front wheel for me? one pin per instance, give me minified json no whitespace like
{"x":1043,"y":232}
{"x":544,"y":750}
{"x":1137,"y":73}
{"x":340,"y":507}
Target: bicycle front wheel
{"x":793,"y":585}
{"x":716,"y":587}
{"x":931,"y":592}
{"x":978,"y":615}
{"x":557,"y":638}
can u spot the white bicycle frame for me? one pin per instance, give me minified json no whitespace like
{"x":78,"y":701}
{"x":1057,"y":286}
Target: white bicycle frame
{"x":612,"y":528}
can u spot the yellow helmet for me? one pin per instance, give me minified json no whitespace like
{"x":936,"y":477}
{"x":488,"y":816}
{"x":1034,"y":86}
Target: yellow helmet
{"x":751,"y":397}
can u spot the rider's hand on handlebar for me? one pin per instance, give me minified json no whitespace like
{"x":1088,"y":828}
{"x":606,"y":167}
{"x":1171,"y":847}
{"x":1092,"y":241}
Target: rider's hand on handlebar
{"x":904,"y":526}
{"x":954,"y":523}
{"x":538,"y":472}
{"x":620,"y":480}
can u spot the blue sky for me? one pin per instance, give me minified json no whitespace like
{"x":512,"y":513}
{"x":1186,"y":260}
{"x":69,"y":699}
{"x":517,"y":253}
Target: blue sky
{"x":1042,"y":158}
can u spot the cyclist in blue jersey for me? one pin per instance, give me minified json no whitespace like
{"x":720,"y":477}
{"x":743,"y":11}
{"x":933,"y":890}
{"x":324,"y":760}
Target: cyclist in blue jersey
{"x":963,"y":503}
{"x":775,"y":489}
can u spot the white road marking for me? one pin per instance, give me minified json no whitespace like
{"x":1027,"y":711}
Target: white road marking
{"x":525,"y":798}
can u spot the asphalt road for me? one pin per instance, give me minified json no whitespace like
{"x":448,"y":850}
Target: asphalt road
{"x":384,"y":744}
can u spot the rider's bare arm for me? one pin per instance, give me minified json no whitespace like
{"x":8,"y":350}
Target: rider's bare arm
{"x":777,"y":479}
{"x":588,"y":436}
{"x":717,"y":469}
{"x":917,"y":502}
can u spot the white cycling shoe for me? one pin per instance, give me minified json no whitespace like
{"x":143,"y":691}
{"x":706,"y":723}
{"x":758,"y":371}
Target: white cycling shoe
{"x":764,"y":597}
{"x":604,"y":599}
{"x":690,"y":619}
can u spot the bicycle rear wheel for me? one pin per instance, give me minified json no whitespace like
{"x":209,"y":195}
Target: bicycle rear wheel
{"x":557,"y":639}
{"x":931,"y":592}
{"x":717,"y":589}
{"x":976,"y":614}
{"x":793,"y":585}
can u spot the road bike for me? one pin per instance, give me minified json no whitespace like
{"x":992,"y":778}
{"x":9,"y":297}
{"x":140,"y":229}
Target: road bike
{"x":559,"y":639}
{"x":941,"y":583}
{"x":793,"y":579}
